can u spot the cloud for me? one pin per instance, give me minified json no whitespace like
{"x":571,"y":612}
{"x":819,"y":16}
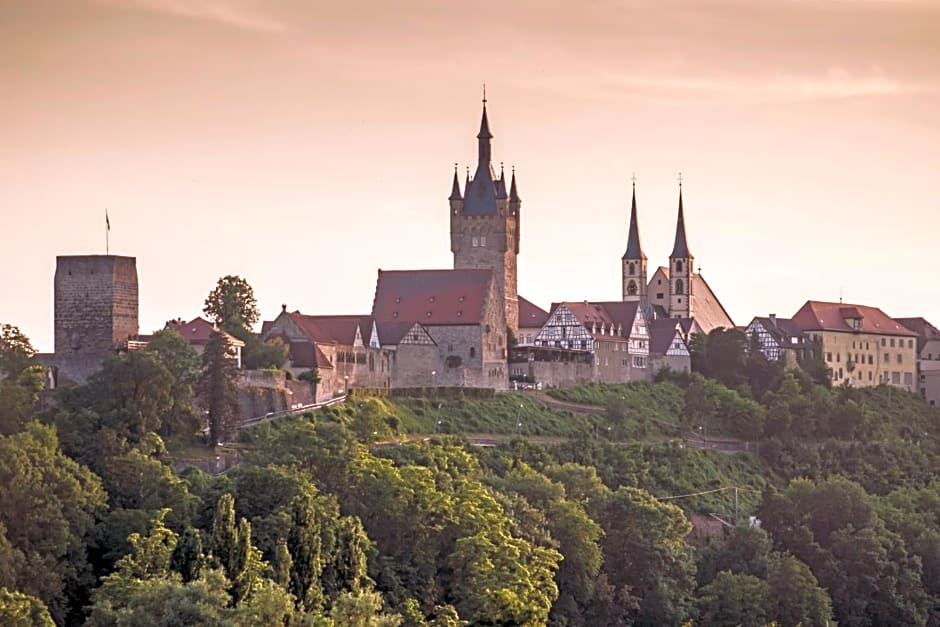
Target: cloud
{"x":235,"y":14}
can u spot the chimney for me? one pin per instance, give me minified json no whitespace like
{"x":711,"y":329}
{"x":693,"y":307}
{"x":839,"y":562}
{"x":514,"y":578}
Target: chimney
{"x":773,"y":319}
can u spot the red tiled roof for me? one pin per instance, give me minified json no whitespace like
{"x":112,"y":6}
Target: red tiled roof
{"x":199,"y":331}
{"x":431,"y":297}
{"x":332,"y":329}
{"x":920,"y":326}
{"x":662,"y":332}
{"x":822,"y":316}
{"x":531,"y":315}
{"x":610,"y":314}
{"x":308,"y":355}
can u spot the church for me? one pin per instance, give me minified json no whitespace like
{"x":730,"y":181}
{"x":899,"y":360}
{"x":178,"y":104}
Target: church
{"x":462,"y":326}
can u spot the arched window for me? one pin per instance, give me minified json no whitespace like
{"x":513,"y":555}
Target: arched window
{"x":679,"y":266}
{"x":679,"y":287}
{"x":631,"y":288}
{"x":631,"y":268}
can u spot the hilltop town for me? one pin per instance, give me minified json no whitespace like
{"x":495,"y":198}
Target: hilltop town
{"x":470,"y":326}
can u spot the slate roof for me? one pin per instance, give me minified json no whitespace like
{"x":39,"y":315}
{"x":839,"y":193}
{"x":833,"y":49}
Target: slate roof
{"x":824,"y":316}
{"x":634,"y":249}
{"x":680,"y":248}
{"x":431,"y":297}
{"x":531,"y":315}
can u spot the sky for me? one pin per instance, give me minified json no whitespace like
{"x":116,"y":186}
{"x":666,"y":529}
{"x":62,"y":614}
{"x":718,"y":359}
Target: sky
{"x":304,"y":144}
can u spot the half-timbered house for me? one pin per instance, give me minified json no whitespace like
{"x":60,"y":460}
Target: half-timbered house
{"x":668,"y":348}
{"x":603,"y":342}
{"x":778,"y":338}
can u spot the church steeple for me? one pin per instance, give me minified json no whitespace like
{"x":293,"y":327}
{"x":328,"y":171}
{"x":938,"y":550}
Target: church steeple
{"x":633,"y":263}
{"x":634,"y":249}
{"x":680,"y":249}
{"x":484,"y":137}
{"x":681,"y":276}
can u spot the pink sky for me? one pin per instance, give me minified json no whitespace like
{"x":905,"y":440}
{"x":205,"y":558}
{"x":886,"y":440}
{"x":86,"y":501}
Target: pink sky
{"x":304,"y":145}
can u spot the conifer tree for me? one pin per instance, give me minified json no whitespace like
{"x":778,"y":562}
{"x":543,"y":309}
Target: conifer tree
{"x":187,"y":557}
{"x":224,"y":534}
{"x":282,"y":564}
{"x":219,"y":390}
{"x":303,"y":542}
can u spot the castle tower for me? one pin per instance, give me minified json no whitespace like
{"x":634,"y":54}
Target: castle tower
{"x":96,"y":309}
{"x":680,"y":270}
{"x":633,"y":263}
{"x":484,"y":224}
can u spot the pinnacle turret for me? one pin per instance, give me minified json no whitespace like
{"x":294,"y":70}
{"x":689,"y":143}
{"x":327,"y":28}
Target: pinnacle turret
{"x":455,"y":189}
{"x":680,"y":249}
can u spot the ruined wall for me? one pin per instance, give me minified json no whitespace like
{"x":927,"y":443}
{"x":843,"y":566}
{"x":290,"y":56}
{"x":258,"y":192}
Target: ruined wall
{"x":96,"y":311}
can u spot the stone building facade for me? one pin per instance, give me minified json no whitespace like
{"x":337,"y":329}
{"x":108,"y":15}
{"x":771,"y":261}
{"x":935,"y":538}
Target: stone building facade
{"x":96,"y":312}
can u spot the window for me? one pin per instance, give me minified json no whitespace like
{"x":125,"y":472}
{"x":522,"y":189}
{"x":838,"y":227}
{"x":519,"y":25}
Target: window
{"x":482,"y":240}
{"x":900,"y":358}
{"x":828,"y":356}
{"x":659,"y":295}
{"x":882,"y":341}
{"x":892,"y":342}
{"x":910,"y":343}
{"x":631,"y":268}
{"x":680,"y":288}
{"x":475,"y":242}
{"x":908,"y":378}
{"x":639,"y":361}
{"x":631,"y":288}
{"x":678,"y":265}
{"x":473,"y":351}
{"x":887,"y":357}
{"x":838,"y":357}
{"x":869,"y":375}
{"x":871,"y":360}
{"x":896,"y":377}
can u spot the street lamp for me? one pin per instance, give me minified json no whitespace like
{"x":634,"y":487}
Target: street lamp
{"x":433,"y":374}
{"x":346,"y":385}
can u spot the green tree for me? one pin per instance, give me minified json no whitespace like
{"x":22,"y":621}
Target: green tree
{"x":22,"y":610}
{"x":219,"y":390}
{"x":745,"y":551}
{"x":645,"y":549}
{"x":188,"y":558}
{"x":794,"y":596}
{"x":258,"y":354}
{"x":304,"y":545}
{"x":185,"y":366}
{"x":21,"y":380}
{"x":48,"y":504}
{"x":225,"y":534}
{"x":732,"y":600}
{"x":232,"y":305}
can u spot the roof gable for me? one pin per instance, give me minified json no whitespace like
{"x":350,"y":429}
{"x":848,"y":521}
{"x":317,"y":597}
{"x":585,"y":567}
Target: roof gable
{"x":531,"y":315}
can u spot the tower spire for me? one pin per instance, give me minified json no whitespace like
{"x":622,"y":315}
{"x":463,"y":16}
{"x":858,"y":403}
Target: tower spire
{"x":634,"y":248}
{"x":513,"y":192}
{"x":680,"y":249}
{"x":455,"y":189}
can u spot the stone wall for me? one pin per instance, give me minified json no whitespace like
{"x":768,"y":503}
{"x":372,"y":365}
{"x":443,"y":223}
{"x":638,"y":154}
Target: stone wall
{"x":96,"y":312}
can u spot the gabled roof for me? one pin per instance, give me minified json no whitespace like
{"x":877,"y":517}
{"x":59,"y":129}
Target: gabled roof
{"x":431,"y":297}
{"x":531,"y":315}
{"x":307,"y":355}
{"x":823,"y":316}
{"x":921,"y":327}
{"x":707,"y":310}
{"x":334,"y":329}
{"x":609,"y":315}
{"x":782,"y":330}
{"x":199,"y":331}
{"x":662,"y":332}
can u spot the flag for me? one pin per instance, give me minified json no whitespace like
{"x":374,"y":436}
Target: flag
{"x":107,"y":222}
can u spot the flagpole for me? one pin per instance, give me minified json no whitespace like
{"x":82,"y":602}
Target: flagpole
{"x":107,"y":234}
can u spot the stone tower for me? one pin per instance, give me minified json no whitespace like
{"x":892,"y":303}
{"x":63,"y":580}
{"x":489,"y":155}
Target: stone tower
{"x":484,"y":224}
{"x":680,"y":271}
{"x":96,"y":309}
{"x":633,"y":263}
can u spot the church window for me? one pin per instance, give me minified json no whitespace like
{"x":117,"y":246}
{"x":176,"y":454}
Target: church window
{"x":679,"y":265}
{"x":679,"y":286}
{"x":475,"y":242}
{"x":632,"y":268}
{"x":631,"y":286}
